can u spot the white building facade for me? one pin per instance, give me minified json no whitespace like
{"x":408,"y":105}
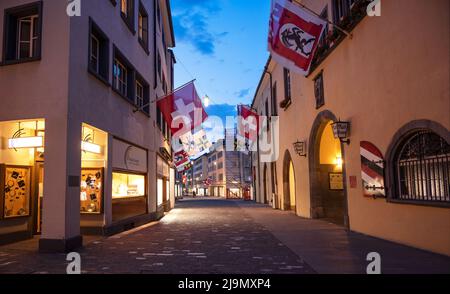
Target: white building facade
{"x":83,"y":148}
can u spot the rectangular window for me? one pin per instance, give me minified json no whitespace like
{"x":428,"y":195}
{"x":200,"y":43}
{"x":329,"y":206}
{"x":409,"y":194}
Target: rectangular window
{"x":94,"y":54}
{"x":98,"y":52}
{"x":139,"y":95}
{"x":287,"y":84}
{"x":143,"y":27}
{"x":22,"y":33}
{"x":319,"y":91}
{"x":120,"y":77}
{"x":124,"y":76}
{"x":341,"y":9}
{"x":142,"y":94}
{"x":159,"y":68}
{"x":127,"y":13}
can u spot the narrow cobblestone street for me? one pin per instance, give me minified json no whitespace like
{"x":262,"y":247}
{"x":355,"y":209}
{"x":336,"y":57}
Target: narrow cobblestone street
{"x":205,"y":236}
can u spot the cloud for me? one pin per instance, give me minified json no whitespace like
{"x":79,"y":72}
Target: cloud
{"x":191,"y":24}
{"x":218,"y":112}
{"x":243,"y":93}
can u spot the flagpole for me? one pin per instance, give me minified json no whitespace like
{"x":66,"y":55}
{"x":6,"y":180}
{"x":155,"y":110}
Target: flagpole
{"x":347,"y":33}
{"x":161,"y":97}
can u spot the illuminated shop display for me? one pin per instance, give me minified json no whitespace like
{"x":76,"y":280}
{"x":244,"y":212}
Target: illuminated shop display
{"x":91,"y":195}
{"x":128,"y":185}
{"x":16,"y":191}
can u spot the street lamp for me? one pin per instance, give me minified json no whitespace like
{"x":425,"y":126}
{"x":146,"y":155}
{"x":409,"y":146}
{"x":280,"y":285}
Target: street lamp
{"x":341,"y":131}
{"x":300,"y":148}
{"x":206,"y":101}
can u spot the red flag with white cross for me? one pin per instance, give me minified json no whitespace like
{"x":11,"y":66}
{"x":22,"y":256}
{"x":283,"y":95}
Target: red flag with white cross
{"x":248,"y":125}
{"x":183,"y":110}
{"x":294,"y":34}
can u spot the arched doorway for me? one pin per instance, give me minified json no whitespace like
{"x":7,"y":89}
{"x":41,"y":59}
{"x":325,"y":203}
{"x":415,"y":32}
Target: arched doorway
{"x":289,"y":193}
{"x":327,"y":172}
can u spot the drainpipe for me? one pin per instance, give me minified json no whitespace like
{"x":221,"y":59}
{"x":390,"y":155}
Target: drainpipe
{"x":274,"y":112}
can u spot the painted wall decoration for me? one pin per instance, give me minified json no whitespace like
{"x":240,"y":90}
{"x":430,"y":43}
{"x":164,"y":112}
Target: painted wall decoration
{"x":16,"y":192}
{"x":372,"y":171}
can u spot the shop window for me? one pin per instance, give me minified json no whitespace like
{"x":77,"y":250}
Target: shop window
{"x":16,"y":191}
{"x":160,"y":191}
{"x":127,"y":13}
{"x":319,"y":91}
{"x":91,"y":195}
{"x":22,"y":33}
{"x":128,"y":185}
{"x":421,"y":169}
{"x":98,"y":52}
{"x":143,"y":27}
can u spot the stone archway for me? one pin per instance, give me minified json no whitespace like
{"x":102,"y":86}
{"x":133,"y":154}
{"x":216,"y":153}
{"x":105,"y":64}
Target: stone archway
{"x":326,"y":161}
{"x":289,"y":192}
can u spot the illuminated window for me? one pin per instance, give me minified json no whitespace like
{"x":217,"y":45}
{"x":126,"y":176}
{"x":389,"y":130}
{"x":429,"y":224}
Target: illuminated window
{"x":128,"y":185}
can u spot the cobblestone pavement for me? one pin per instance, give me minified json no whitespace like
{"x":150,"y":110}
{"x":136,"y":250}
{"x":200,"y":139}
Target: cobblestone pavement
{"x":198,"y":237}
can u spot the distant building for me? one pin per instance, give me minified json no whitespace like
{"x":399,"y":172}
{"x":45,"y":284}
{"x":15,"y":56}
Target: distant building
{"x":229,"y":171}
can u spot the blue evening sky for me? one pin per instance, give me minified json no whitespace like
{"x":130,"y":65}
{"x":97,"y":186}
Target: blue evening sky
{"x":222,"y":44}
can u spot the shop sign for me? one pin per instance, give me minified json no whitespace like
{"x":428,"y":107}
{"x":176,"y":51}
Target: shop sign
{"x":129,"y":157}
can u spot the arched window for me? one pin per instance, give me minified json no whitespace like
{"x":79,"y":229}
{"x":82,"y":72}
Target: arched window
{"x":422,"y":169}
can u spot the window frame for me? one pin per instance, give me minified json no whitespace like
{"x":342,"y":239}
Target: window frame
{"x":103,"y":67}
{"x":129,"y":16}
{"x":11,"y":34}
{"x":143,"y":40}
{"x":424,"y":185}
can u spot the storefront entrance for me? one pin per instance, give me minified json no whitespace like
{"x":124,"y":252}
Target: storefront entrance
{"x":21,"y":179}
{"x":328,"y":191}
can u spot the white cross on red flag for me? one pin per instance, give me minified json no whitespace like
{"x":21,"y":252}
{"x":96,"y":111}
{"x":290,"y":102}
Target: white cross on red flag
{"x":294,"y":34}
{"x":183,"y":110}
{"x":248,"y":125}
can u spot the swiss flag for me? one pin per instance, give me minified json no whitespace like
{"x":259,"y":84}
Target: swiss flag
{"x":248,"y":126}
{"x":183,"y":110}
{"x":294,"y":35}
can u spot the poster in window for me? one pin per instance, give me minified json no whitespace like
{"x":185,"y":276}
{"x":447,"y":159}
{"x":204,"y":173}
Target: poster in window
{"x":336,"y":181}
{"x":91,"y":191}
{"x":16,"y":192}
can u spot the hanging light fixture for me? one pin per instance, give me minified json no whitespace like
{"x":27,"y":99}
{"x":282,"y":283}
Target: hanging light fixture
{"x":87,"y":144}
{"x":19,"y":142}
{"x":341,"y":131}
{"x":300,"y":148}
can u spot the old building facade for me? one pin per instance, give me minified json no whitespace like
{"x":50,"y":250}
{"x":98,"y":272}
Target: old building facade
{"x":388,"y":176}
{"x":86,"y":81}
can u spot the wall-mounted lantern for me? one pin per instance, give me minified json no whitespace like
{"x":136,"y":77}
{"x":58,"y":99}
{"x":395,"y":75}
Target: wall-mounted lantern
{"x":300,"y":148}
{"x":341,"y":131}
